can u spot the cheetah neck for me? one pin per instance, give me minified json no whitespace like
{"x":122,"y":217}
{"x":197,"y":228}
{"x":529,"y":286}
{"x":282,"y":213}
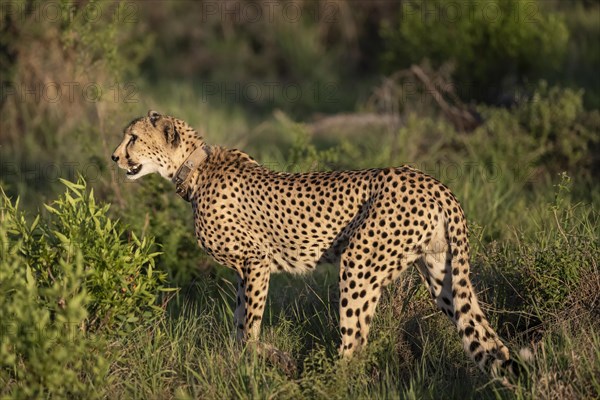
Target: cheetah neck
{"x":185,"y":172}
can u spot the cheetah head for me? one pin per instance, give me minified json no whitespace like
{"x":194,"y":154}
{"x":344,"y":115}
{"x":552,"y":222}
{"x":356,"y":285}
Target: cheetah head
{"x":155,"y":143}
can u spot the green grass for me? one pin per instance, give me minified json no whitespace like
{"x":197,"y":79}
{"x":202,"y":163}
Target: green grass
{"x":414,"y":353}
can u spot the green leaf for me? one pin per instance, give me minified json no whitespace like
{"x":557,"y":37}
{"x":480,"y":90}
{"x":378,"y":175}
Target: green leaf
{"x":62,"y":237}
{"x":76,"y":187}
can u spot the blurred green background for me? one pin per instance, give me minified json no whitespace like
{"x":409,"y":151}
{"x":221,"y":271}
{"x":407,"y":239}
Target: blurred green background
{"x":499,"y":99}
{"x":501,"y":93}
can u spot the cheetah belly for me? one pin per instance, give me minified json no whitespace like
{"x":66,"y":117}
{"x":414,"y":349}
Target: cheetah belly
{"x":301,"y":260}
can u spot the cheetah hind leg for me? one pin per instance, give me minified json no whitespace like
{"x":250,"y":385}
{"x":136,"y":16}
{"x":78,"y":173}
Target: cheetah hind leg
{"x":452,"y":292}
{"x":359,"y":294}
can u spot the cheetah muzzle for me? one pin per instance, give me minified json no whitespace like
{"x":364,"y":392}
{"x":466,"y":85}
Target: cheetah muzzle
{"x":373,"y":223}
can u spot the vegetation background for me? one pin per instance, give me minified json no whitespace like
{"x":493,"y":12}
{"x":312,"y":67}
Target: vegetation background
{"x":499,"y":99}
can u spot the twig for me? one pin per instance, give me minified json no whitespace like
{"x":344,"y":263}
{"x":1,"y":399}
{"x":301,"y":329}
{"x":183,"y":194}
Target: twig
{"x":461,"y":118}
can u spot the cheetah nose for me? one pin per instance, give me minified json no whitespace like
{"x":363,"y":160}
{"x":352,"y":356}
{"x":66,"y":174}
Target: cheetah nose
{"x":114,"y":158}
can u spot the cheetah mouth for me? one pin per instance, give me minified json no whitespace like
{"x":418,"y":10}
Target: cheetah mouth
{"x":134,"y":170}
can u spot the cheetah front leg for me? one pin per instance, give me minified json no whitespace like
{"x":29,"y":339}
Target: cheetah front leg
{"x":359,"y":295}
{"x":253,"y":287}
{"x":238,"y":315}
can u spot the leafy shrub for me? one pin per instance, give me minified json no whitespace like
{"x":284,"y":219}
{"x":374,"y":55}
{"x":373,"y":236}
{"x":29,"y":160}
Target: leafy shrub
{"x":556,"y":119}
{"x":44,"y":349}
{"x":491,"y":42}
{"x":564,"y":256}
{"x":304,"y":155}
{"x":583,"y":52}
{"x":553,"y":273}
{"x":119,"y":275}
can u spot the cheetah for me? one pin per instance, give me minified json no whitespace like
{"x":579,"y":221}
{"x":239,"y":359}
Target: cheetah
{"x":373,"y":223}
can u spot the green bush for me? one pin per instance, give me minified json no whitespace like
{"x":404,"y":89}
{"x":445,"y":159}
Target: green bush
{"x":553,"y":272}
{"x":118,"y":275}
{"x":583,"y":51}
{"x":44,"y":349}
{"x":491,"y":42}
{"x":563,"y":258}
{"x":557,"y":120}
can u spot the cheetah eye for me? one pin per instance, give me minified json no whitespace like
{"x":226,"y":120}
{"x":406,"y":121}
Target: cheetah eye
{"x":133,"y":139}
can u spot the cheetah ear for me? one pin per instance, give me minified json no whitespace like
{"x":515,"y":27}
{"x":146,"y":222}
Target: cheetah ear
{"x":166,"y":126}
{"x":154,"y":116}
{"x":171,"y":133}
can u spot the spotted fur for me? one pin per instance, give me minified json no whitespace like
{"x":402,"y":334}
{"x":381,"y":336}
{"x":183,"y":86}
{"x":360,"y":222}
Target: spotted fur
{"x":374,"y":223}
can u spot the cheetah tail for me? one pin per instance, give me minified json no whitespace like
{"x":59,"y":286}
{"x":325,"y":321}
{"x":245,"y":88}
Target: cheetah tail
{"x":480,"y":341}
